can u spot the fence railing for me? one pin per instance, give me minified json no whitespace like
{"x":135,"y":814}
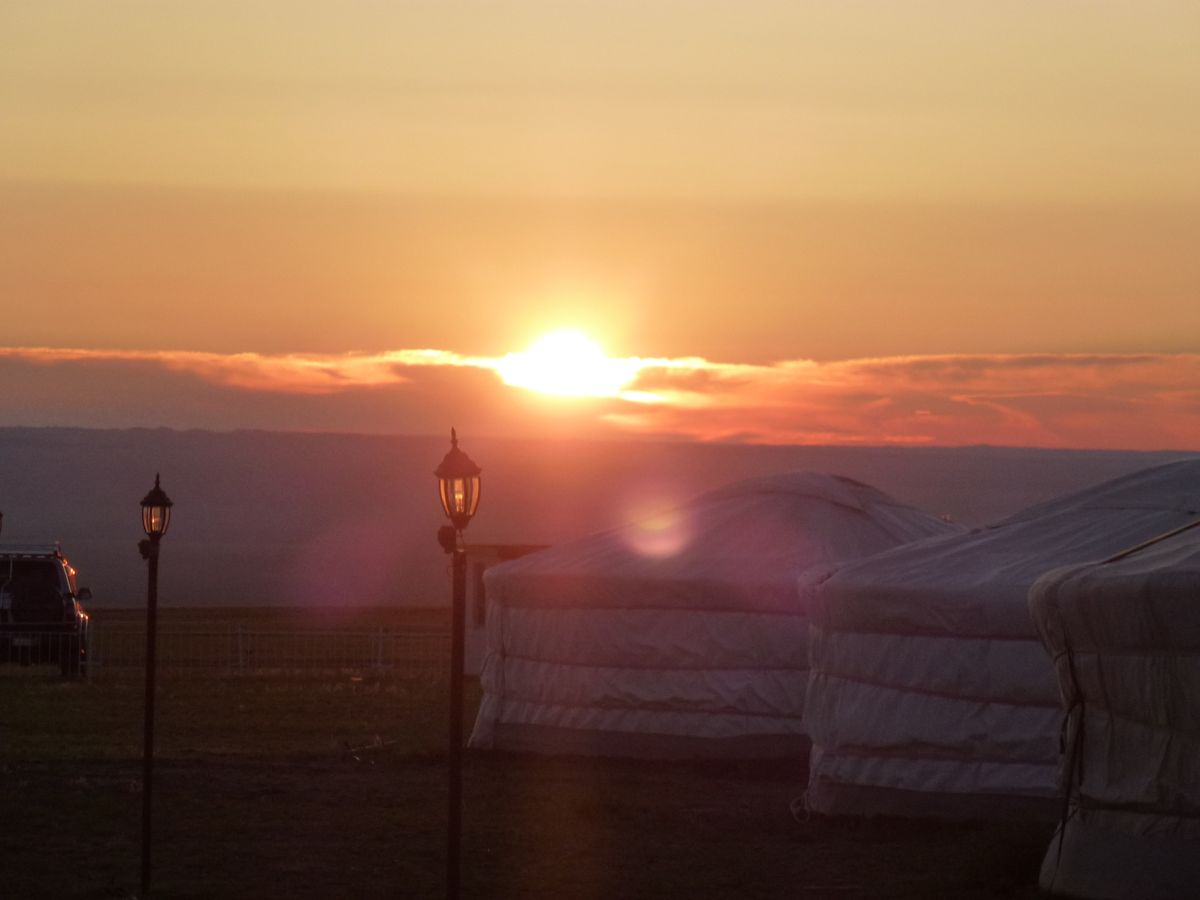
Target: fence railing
{"x":237,"y":648}
{"x":25,"y":647}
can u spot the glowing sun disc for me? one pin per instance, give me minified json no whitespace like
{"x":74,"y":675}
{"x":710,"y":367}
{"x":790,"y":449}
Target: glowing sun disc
{"x":568,"y":364}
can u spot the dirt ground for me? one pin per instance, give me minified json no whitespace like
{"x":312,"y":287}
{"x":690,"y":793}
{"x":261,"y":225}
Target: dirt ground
{"x":374,"y":826}
{"x":335,"y":787}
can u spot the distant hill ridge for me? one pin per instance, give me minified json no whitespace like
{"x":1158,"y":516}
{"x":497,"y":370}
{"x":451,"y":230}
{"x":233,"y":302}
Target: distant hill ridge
{"x":287,"y":518}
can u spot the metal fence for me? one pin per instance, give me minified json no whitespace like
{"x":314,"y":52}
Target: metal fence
{"x":25,"y":647}
{"x":240,"y":649}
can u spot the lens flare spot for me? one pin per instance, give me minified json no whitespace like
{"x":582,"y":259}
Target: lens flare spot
{"x":660,"y":535}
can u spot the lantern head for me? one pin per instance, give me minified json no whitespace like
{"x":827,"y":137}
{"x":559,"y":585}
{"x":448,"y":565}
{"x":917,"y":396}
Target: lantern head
{"x":458,"y":485}
{"x":156,"y":511}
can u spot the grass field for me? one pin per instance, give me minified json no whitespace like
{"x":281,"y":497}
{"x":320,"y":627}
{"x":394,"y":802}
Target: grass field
{"x":334,"y":786}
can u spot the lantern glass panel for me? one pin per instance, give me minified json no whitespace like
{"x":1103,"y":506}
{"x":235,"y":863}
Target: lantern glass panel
{"x":472,"y":502}
{"x":155,"y":519}
{"x":460,"y":498}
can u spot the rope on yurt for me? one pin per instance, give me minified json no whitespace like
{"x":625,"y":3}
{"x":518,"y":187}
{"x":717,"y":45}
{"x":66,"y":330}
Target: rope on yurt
{"x":1151,"y":542}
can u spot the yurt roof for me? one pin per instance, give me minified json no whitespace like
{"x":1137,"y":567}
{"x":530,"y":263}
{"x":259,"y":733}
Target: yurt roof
{"x":739,"y":546}
{"x":975,"y":584}
{"x":1140,"y":601}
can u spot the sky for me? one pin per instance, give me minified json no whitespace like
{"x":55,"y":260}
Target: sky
{"x":820,"y":222}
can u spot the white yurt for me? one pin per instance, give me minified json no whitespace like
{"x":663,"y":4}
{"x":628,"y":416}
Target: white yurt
{"x":680,"y":636}
{"x":930,"y":693}
{"x":1125,"y":639}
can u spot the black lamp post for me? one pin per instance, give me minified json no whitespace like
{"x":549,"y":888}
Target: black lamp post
{"x":156,"y":516}
{"x":458,"y":487}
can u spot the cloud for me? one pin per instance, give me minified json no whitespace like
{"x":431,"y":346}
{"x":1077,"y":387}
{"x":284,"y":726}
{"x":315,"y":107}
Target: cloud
{"x":280,"y":373}
{"x":1118,"y":400}
{"x":1129,"y":401}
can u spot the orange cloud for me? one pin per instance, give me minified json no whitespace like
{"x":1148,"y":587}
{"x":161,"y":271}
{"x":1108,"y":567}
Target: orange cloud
{"x":1130,"y":401}
{"x":1047,"y":400}
{"x":281,"y":373}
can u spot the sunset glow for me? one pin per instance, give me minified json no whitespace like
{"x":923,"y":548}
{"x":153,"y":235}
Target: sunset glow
{"x":787,"y":222}
{"x":567,"y":364}
{"x":746,"y":290}
{"x":1116,"y":401}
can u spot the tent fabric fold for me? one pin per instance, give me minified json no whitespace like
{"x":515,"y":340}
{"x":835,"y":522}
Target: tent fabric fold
{"x":930,"y":693}
{"x":1124,"y":636}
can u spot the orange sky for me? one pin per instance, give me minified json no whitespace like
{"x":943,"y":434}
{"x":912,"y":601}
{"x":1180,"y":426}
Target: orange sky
{"x":830,"y":184}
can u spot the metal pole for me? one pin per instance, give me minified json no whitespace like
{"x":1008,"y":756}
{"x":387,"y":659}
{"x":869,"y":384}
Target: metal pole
{"x":150,"y":551}
{"x":454,"y":809}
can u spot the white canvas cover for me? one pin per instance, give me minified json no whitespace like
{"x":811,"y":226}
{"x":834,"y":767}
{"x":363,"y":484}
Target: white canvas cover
{"x":679,"y":636}
{"x":1125,"y":639}
{"x":930,"y":693}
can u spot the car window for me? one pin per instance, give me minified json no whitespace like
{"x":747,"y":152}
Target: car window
{"x":34,"y":591}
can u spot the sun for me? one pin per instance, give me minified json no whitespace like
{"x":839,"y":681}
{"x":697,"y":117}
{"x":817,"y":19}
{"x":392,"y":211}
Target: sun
{"x":569,"y":364}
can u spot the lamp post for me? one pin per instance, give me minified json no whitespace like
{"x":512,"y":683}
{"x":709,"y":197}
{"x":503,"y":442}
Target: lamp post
{"x":458,"y":488}
{"x":156,"y":516}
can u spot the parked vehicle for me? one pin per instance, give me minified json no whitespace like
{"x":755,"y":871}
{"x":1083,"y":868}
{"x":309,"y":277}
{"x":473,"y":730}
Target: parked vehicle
{"x":42,"y":619}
